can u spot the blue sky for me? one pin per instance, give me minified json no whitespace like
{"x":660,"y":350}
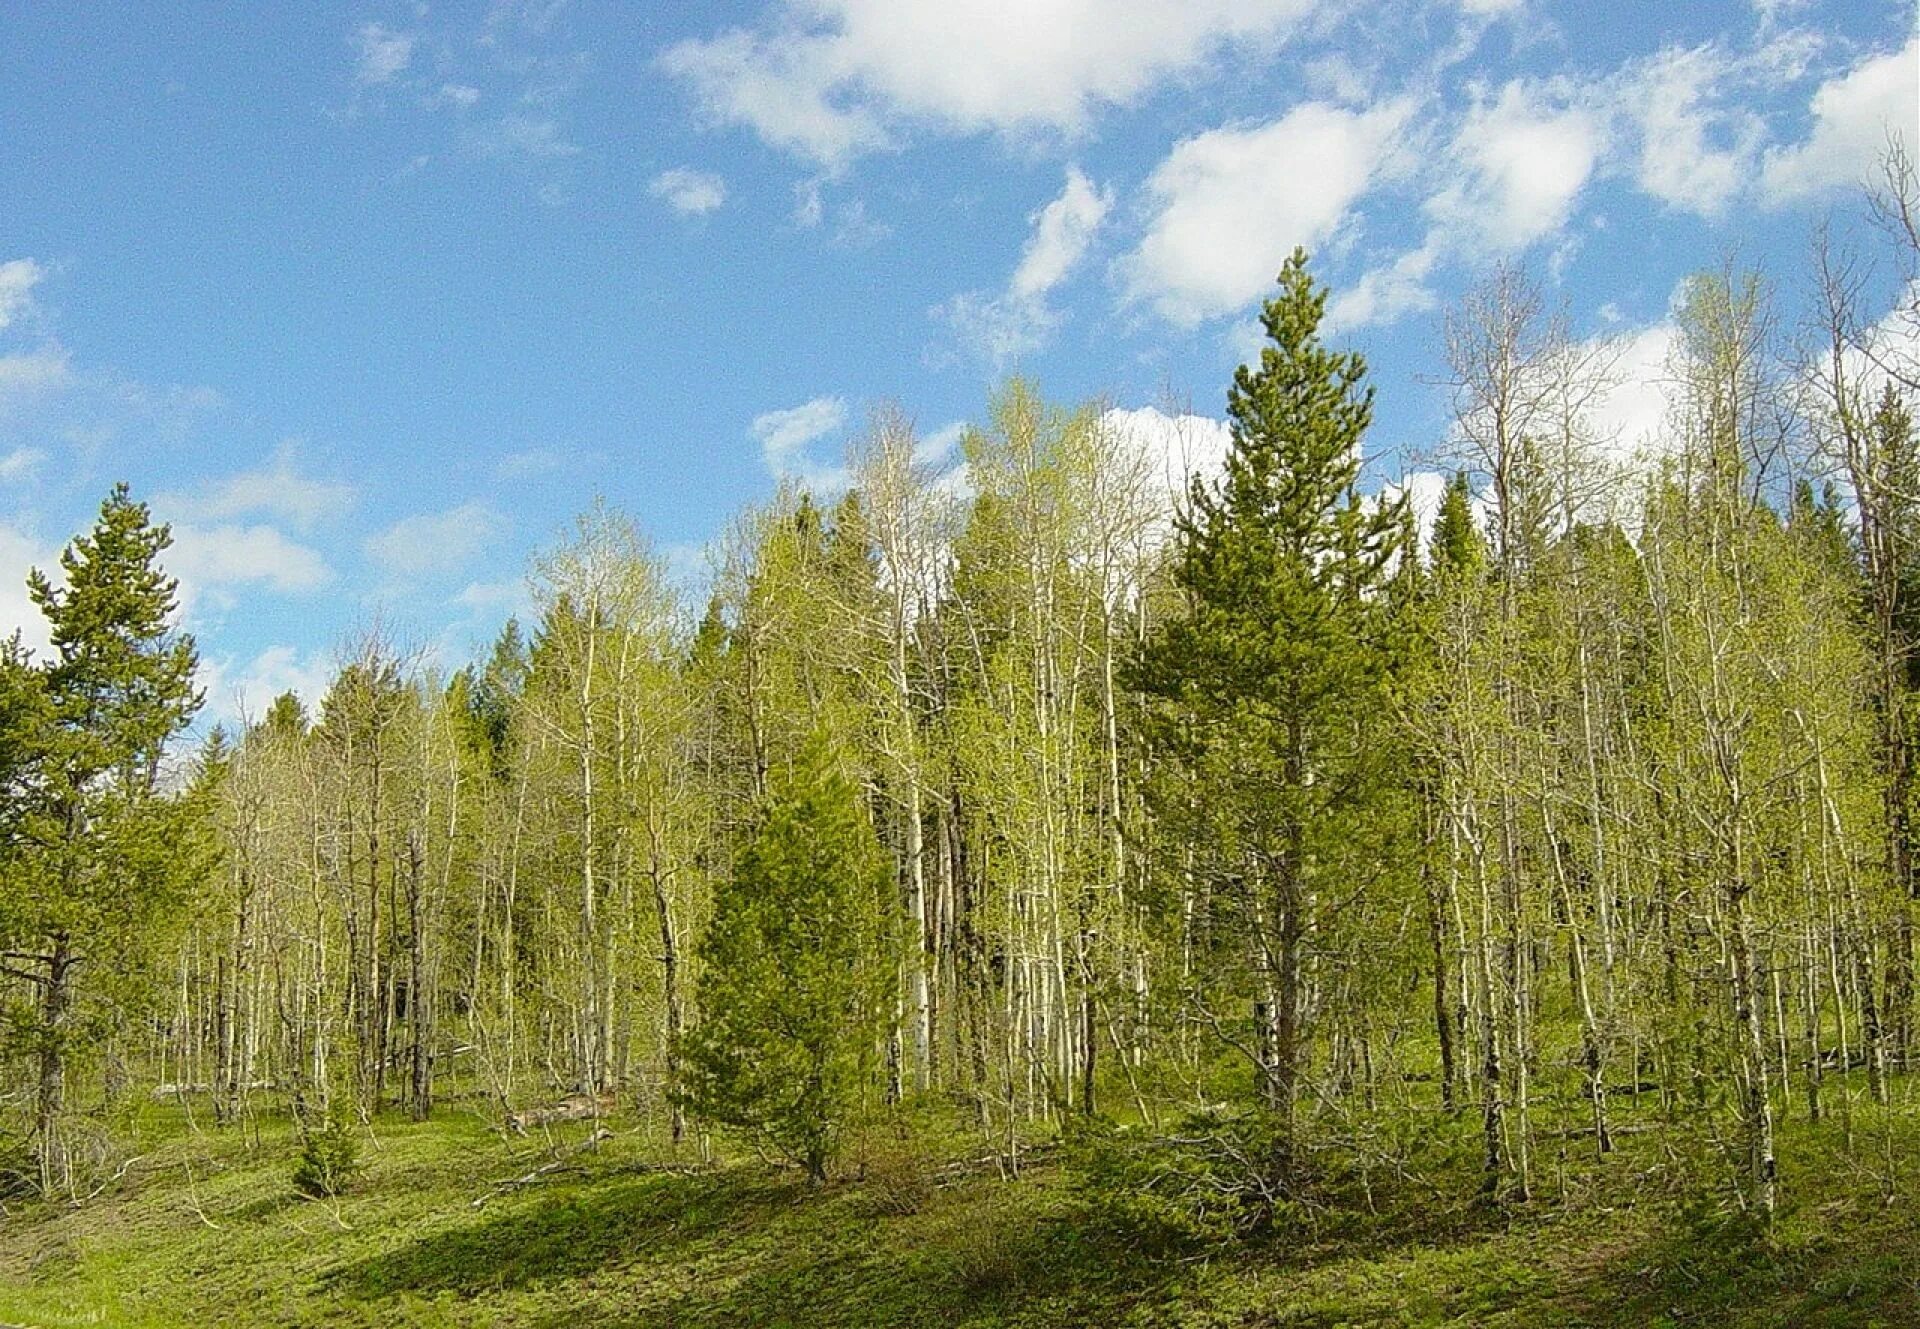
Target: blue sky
{"x":370,"y":300}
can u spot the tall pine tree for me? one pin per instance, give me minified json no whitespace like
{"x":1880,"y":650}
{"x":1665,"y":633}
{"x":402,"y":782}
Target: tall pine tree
{"x":96,"y":850}
{"x":1272,"y":685}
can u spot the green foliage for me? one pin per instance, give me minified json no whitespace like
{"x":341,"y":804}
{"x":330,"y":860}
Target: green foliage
{"x":329,"y":1158}
{"x":1271,"y":688}
{"x":1459,"y":550}
{"x":1205,"y":1182}
{"x":795,"y":969}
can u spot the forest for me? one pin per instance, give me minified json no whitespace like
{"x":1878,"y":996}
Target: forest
{"x":1228,"y":871}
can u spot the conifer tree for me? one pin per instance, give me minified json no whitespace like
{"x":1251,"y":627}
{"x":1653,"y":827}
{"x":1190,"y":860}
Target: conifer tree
{"x":794,"y":970}
{"x":1272,"y":684}
{"x":96,"y":847}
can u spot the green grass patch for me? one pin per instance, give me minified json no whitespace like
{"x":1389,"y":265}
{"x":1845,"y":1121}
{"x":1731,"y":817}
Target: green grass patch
{"x":205,"y":1227}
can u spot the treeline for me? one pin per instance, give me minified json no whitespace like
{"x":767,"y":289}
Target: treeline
{"x":1256,"y":816}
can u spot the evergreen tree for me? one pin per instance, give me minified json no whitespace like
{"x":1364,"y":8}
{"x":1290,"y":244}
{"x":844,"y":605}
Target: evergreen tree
{"x":97,"y":849}
{"x":1273,"y":685}
{"x":794,"y":970}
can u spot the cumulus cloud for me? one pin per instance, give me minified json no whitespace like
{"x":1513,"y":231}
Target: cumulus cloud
{"x":831,"y":79}
{"x":382,"y":53}
{"x":1423,"y":491}
{"x":1852,"y":115}
{"x":1005,"y":326}
{"x":1633,"y":412}
{"x":689,"y":192}
{"x":1229,"y":206}
{"x":1178,"y":446}
{"x":429,"y":543}
{"x":19,"y":552}
{"x":277,"y":488}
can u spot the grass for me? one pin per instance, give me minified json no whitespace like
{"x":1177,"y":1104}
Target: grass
{"x":205,"y":1228}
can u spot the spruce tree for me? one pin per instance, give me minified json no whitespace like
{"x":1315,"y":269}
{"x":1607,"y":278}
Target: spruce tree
{"x":1272,"y":686}
{"x":794,"y":970}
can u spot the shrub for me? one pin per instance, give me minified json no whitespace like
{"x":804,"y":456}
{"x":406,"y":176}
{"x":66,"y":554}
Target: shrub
{"x":329,"y":1158}
{"x":1208,"y":1181}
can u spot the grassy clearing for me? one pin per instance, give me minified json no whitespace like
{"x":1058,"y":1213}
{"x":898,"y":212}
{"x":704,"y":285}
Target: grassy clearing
{"x":205,"y":1229}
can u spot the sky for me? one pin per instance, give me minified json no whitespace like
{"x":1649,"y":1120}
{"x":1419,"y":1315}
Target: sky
{"x":369,"y":301}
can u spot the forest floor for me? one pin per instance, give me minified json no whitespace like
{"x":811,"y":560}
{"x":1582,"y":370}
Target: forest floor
{"x":204,"y":1229}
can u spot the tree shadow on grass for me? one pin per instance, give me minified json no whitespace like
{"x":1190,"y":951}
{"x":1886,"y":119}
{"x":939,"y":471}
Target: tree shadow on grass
{"x":977,"y":1264}
{"x":1696,"y":1271}
{"x":569,"y":1233}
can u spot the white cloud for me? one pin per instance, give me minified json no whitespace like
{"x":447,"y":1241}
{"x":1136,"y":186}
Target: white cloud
{"x":786,"y":435}
{"x":1424,"y":490}
{"x":997,"y":329}
{"x":830,"y":79}
{"x":689,"y":192}
{"x":383,"y":53}
{"x":1231,"y":204}
{"x":937,"y":448}
{"x":1179,"y":446}
{"x":1388,"y":292}
{"x":20,"y":551}
{"x":277,"y":488}
{"x":33,"y":373}
{"x":457,"y":94}
{"x":1632,"y":414}
{"x":21,"y":463}
{"x":1852,"y":116}
{"x":1694,"y":153}
{"x":1520,"y":159}
{"x":207,"y":557}
{"x":240,"y":694}
{"x":434,"y":542}
{"x":528,"y":464}
{"x":529,"y":135}
{"x":808,"y":208}
{"x":1061,"y":233}
{"x":18,"y":277}
{"x":509,"y":596}
{"x":1007,"y":326}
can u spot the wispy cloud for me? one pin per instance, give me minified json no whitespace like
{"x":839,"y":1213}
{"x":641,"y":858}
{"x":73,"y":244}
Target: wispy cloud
{"x":18,"y":277}
{"x":1008,"y":325}
{"x":277,"y":488}
{"x":435,"y":542}
{"x":689,"y":192}
{"x":381,"y":53}
{"x":786,"y":436}
{"x":21,"y":463}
